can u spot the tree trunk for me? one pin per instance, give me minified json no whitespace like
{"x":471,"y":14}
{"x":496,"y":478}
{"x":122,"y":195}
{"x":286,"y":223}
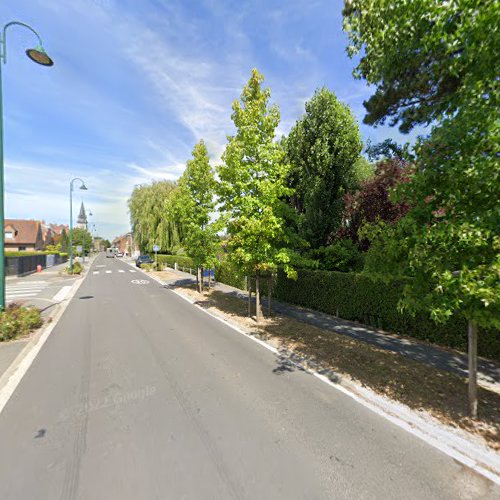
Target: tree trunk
{"x":199,"y":279}
{"x":249,"y":286}
{"x":473,"y":369}
{"x":270,"y":293}
{"x":258,"y":310}
{"x":202,"y":281}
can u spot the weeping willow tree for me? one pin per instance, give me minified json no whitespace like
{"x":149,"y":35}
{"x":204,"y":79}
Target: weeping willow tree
{"x":153,"y":222}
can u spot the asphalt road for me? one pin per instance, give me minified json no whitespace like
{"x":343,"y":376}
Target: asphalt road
{"x":139,"y":395}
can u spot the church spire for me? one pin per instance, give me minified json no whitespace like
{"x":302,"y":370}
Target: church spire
{"x":82,"y":218}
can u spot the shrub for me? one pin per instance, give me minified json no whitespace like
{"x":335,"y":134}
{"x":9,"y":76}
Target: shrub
{"x":16,"y":321}
{"x":357,"y":297}
{"x":342,"y":255}
{"x":77,"y":268}
{"x":170,"y":260}
{"x":229,"y":274}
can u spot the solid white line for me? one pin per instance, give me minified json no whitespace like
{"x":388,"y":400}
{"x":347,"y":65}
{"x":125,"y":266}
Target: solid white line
{"x":61,"y":294}
{"x":392,"y":417}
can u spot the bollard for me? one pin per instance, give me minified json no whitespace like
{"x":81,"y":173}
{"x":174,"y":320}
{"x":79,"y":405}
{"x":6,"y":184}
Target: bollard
{"x":39,"y":268}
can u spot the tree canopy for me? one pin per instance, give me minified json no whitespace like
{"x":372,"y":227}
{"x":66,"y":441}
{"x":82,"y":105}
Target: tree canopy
{"x":253,"y":185}
{"x":152,"y":222}
{"x":323,"y":148}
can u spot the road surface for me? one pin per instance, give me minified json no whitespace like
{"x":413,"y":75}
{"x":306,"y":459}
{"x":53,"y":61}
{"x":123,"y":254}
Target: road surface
{"x":137,"y":394}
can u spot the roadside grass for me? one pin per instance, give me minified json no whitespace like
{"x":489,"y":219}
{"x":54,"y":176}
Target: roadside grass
{"x":17,"y":321}
{"x":421,"y":387}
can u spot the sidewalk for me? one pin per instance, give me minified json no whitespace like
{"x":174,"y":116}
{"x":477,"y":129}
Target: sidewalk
{"x":438,"y":357}
{"x":11,"y":349}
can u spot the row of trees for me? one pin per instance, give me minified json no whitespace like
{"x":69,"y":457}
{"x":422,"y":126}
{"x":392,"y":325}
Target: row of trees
{"x":311,"y":199}
{"x":275,"y":202}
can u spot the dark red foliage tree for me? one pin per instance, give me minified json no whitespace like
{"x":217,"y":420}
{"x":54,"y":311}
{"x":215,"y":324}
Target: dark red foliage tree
{"x":372,"y":201}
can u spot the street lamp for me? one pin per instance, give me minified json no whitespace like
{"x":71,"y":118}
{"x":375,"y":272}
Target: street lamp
{"x":39,"y":56}
{"x":84,"y":188}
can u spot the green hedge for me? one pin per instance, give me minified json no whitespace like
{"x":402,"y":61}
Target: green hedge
{"x":229,"y":275}
{"x":170,"y":260}
{"x":356,"y":297}
{"x":27,"y":253}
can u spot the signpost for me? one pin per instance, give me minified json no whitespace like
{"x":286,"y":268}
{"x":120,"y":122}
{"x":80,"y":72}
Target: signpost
{"x":156,"y":249}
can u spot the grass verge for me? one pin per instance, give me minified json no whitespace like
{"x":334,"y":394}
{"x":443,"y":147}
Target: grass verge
{"x":17,"y":321}
{"x":443,"y":395}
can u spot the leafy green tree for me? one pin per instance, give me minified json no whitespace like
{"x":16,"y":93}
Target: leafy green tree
{"x":253,"y":186}
{"x":438,"y":63}
{"x":64,"y":241}
{"x":151,"y":219}
{"x":81,"y":237}
{"x":195,"y":204}
{"x":323,"y":148}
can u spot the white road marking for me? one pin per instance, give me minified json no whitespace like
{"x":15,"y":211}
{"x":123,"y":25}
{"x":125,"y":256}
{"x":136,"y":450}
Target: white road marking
{"x":109,"y":272}
{"x":24,"y":289}
{"x":95,"y":272}
{"x":61,"y":294}
{"x":140,"y":282}
{"x":121,"y":271}
{"x":132,"y":270}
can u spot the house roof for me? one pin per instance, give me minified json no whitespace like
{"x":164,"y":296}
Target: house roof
{"x":25,"y":231}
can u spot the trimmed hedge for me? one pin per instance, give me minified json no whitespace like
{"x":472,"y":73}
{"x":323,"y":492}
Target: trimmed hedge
{"x":170,"y":260}
{"x":16,"y":321}
{"x":356,"y":297}
{"x":229,"y":275}
{"x":30,"y":254}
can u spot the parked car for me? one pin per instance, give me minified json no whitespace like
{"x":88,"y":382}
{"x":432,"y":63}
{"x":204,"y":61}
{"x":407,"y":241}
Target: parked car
{"x":110,"y":252}
{"x":143,"y":259}
{"x":119,"y":254}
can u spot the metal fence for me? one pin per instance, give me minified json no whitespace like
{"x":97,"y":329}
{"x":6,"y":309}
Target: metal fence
{"x":26,"y":264}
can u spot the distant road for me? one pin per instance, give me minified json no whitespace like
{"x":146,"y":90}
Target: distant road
{"x":137,"y":394}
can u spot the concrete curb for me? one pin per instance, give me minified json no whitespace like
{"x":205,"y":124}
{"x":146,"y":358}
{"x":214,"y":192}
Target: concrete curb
{"x":11,"y":378}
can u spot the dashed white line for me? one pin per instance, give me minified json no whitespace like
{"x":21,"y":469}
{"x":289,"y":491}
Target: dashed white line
{"x":95,"y":272}
{"x":132,"y":270}
{"x":121,"y":271}
{"x":109,"y":272}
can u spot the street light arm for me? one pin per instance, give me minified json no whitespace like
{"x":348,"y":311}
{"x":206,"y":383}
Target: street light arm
{"x":76,"y":179}
{"x":3,"y":54}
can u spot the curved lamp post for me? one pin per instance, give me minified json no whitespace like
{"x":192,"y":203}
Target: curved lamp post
{"x":84,"y":188}
{"x":39,"y":56}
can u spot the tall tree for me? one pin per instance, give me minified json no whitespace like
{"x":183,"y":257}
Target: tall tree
{"x":195,"y":205}
{"x":81,"y":237}
{"x":323,"y":148}
{"x":253,"y":186}
{"x":151,"y":220}
{"x":438,"y":63}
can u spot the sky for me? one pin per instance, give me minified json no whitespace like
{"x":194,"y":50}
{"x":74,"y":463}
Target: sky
{"x":137,"y":83}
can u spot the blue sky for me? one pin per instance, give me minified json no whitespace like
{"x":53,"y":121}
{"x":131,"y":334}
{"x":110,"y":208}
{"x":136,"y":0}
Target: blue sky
{"x":136,"y":83}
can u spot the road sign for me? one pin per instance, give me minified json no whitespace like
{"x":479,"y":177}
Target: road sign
{"x":79,"y":248}
{"x":156,"y":248}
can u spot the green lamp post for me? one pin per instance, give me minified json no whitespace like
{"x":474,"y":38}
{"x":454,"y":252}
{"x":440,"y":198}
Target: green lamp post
{"x":39,"y":56}
{"x":84,"y":188}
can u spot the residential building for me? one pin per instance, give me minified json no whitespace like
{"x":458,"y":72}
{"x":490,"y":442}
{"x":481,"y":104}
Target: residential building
{"x":23,"y":235}
{"x":126,"y":245}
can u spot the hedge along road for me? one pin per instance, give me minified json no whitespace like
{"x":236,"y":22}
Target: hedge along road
{"x":138,"y":394}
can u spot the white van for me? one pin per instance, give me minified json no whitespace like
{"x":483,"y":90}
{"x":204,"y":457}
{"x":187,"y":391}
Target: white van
{"x":110,"y":252}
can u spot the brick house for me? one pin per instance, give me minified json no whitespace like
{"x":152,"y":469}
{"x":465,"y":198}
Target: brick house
{"x":126,"y":245}
{"x":23,"y":235}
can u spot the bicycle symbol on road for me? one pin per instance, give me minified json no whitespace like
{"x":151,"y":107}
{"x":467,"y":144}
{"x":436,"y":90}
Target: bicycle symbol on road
{"x":140,"y":282}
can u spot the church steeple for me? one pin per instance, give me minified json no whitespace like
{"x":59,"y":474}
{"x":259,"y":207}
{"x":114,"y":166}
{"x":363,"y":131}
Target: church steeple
{"x":82,"y":218}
